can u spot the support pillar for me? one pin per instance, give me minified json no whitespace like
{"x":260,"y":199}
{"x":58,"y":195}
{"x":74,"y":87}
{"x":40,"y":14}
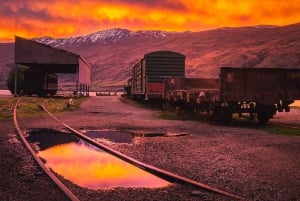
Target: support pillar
{"x":16,"y":80}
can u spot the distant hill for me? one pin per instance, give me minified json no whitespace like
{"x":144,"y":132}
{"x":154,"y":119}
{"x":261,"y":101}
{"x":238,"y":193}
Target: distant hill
{"x":112,"y":53}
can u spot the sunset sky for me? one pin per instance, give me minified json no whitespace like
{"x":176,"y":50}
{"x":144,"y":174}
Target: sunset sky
{"x":66,"y":18}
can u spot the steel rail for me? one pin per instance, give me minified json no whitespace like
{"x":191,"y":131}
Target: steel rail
{"x":154,"y":170}
{"x":51,"y":175}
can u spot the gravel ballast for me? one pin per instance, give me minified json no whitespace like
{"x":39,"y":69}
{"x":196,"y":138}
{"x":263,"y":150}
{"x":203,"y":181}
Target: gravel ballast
{"x":248,"y":162}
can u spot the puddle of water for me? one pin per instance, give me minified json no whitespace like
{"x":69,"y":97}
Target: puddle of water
{"x":90,"y":167}
{"x":126,"y":137}
{"x":154,"y":134}
{"x":46,"y":138}
{"x":115,"y":136}
{"x":159,"y":134}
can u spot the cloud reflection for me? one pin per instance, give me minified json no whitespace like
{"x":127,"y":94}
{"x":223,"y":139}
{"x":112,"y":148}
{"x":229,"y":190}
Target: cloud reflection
{"x":94,"y":169}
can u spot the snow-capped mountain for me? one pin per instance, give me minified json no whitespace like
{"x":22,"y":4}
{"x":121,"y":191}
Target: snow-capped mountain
{"x":104,"y":37}
{"x":112,"y":53}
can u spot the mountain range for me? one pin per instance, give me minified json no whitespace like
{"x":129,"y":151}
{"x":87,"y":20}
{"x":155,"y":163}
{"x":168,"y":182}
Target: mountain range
{"x":112,"y":53}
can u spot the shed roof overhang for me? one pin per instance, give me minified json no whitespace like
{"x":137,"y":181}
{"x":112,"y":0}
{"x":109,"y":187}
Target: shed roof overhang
{"x":50,"y":59}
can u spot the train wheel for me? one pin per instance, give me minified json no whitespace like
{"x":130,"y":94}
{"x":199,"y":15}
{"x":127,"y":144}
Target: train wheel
{"x":263,"y":117}
{"x":265,"y":112}
{"x":222,"y":115}
{"x":226,"y":117}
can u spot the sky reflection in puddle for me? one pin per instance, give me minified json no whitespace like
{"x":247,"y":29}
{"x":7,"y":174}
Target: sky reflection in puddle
{"x":90,"y":167}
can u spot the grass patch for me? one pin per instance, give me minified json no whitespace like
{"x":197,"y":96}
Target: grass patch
{"x":7,"y":108}
{"x":167,"y":114}
{"x":28,"y":106}
{"x":182,"y":116}
{"x":278,"y":130}
{"x":56,"y":105}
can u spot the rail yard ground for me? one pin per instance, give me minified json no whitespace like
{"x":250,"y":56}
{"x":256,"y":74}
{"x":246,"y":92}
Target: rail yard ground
{"x":244,"y":160}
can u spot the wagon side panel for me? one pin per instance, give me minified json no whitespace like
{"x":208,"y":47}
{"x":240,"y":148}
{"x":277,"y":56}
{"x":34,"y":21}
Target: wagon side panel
{"x":293,"y":85}
{"x":264,"y":86}
{"x":232,"y":84}
{"x":137,"y":82}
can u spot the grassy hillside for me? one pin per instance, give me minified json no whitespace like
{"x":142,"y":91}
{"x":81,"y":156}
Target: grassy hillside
{"x":206,"y":51}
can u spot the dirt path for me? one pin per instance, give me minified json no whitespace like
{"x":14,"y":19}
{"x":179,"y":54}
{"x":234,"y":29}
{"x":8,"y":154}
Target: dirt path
{"x":245,"y":161}
{"x":249,"y":162}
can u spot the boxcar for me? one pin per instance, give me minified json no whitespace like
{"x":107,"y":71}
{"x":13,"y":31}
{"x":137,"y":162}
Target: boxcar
{"x":149,"y":73}
{"x":39,"y":83}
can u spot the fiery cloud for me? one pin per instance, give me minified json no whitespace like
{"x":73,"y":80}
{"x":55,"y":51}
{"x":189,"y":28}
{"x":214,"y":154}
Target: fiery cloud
{"x":64,"y":18}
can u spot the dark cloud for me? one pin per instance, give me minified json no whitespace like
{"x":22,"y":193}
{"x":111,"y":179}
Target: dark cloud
{"x":28,"y":13}
{"x":23,"y":2}
{"x":166,"y":4}
{"x":21,"y":10}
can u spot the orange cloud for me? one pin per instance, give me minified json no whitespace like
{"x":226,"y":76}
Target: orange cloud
{"x":241,"y":13}
{"x":96,"y":169}
{"x":62,"y":18}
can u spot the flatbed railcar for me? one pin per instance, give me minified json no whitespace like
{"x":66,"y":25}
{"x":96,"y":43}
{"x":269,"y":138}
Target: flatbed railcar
{"x":191,"y":94}
{"x":148,"y":74}
{"x":259,"y":92}
{"x":40,"y":83}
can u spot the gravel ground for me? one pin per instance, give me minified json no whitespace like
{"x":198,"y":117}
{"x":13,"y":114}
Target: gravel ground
{"x":248,"y":162}
{"x":288,"y":118}
{"x":20,"y":177}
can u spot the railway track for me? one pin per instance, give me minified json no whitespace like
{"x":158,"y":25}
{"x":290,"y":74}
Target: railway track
{"x":154,"y":170}
{"x":52,"y":176}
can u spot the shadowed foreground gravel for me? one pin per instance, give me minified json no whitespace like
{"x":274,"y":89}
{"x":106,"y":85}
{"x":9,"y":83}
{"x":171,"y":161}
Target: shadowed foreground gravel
{"x":245,"y":161}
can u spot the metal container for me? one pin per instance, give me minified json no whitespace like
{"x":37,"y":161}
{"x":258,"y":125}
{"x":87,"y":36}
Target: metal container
{"x":265,"y":86}
{"x":149,"y":73}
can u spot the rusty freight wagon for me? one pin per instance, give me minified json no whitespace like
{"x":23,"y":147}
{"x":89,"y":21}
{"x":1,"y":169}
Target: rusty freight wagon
{"x":260,"y":92}
{"x":192,"y":94}
{"x":148,"y":74}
